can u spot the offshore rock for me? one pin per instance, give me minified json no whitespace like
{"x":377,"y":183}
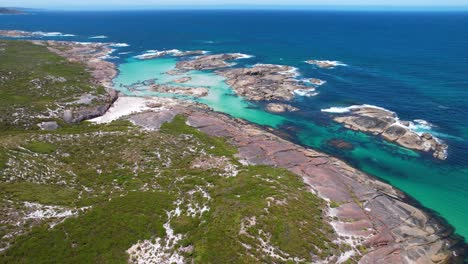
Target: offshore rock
{"x":280,"y":108}
{"x":209,"y":62}
{"x":385,"y":123}
{"x":264,"y":81}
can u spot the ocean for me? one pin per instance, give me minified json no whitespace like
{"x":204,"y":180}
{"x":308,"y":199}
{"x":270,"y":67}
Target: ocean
{"x":412,"y":63}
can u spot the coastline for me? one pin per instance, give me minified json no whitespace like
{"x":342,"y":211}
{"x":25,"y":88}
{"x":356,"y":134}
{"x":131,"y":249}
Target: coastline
{"x":370,"y":191}
{"x":391,"y":236}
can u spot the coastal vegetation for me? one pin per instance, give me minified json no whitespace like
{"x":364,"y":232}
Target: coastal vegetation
{"x":34,"y":82}
{"x":112,"y":192}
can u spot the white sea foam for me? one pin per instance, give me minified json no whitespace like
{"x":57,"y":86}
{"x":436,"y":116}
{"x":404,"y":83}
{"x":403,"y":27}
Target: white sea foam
{"x":289,"y":70}
{"x":98,"y":37}
{"x":326,"y":62}
{"x":316,"y":83}
{"x":337,"y":110}
{"x":108,"y":55}
{"x":119,"y":45}
{"x":51,"y":34}
{"x":244,"y":56}
{"x":305,"y":92}
{"x":419,"y":124}
{"x":123,"y":53}
{"x":340,"y":110}
{"x":149,"y":54}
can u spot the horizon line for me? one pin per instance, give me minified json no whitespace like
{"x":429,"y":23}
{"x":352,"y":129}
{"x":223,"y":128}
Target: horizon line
{"x":400,"y":8}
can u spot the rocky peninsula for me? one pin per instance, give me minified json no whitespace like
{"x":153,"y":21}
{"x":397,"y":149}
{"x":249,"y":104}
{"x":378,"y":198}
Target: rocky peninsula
{"x":379,"y":121}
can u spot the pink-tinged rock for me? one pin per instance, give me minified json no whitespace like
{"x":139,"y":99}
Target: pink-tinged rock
{"x":362,"y":228}
{"x":382,"y":238}
{"x":386,"y":255}
{"x":289,"y":158}
{"x":350,"y":211}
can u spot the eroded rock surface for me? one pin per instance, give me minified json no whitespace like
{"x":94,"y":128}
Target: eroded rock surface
{"x":264,"y":81}
{"x":190,"y":91}
{"x":385,"y":123}
{"x":280,"y":108}
{"x":209,"y":62}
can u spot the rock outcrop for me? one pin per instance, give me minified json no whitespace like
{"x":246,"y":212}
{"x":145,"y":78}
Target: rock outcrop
{"x":264,"y":81}
{"x":92,"y":110}
{"x":385,"y":123}
{"x":209,"y":62}
{"x":280,"y":108}
{"x":180,"y":90}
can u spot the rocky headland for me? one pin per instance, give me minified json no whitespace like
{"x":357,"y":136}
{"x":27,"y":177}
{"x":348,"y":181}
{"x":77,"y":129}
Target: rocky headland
{"x":379,"y":121}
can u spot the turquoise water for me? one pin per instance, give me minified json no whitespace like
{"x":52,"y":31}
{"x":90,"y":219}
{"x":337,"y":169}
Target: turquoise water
{"x":220,"y":97}
{"x":403,"y":168}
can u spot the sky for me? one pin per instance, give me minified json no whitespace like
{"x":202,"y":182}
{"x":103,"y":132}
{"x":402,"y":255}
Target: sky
{"x":317,"y":4}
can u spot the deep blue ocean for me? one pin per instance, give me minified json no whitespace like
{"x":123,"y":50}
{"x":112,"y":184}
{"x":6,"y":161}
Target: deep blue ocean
{"x":413,"y":63}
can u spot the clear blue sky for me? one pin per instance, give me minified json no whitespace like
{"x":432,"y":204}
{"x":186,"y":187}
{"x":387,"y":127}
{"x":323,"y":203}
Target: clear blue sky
{"x":337,"y":4}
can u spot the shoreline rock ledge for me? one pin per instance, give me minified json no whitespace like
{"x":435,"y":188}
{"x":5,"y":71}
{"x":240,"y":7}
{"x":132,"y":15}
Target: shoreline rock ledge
{"x":380,"y":121}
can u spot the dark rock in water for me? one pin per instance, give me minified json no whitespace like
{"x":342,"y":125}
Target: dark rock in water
{"x":280,"y":108}
{"x":340,"y":144}
{"x":149,"y":82}
{"x":183,"y":80}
